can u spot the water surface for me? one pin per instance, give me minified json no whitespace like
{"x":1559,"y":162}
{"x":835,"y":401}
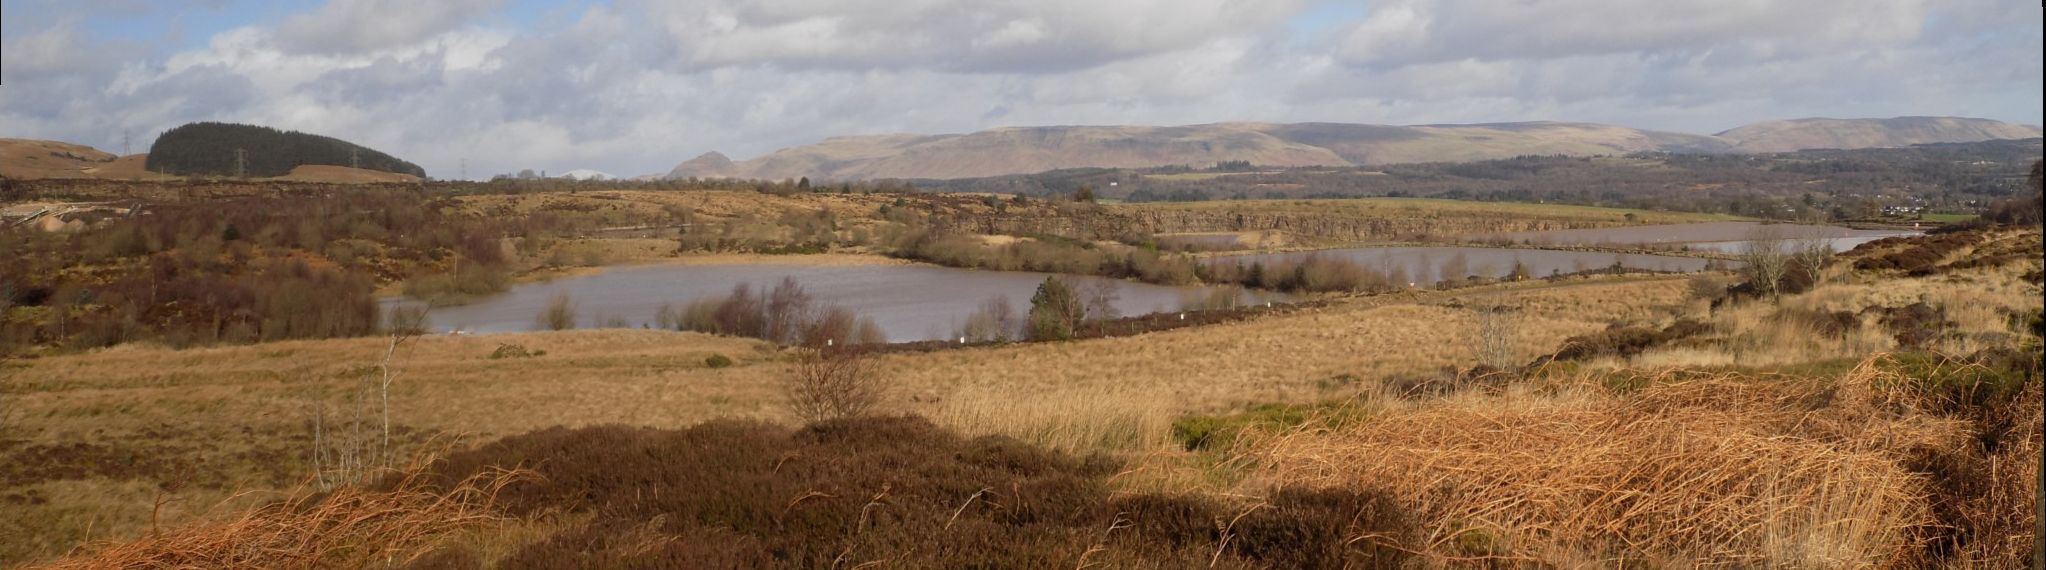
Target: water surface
{"x":1728,"y":237}
{"x":908,"y":302}
{"x":1426,"y":265}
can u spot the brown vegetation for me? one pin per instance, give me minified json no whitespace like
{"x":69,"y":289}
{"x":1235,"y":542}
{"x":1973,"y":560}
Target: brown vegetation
{"x":785,"y":315}
{"x":349,"y":528}
{"x":1717,"y":469}
{"x":829,"y":385}
{"x":1754,"y":433}
{"x":895,"y":492}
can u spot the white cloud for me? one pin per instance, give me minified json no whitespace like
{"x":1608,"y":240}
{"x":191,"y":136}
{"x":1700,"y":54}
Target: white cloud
{"x":1424,"y":31}
{"x":955,"y":35}
{"x":353,"y":26}
{"x":634,"y":86}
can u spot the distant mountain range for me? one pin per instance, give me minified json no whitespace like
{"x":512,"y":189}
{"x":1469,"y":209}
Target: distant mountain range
{"x":1023,"y":150}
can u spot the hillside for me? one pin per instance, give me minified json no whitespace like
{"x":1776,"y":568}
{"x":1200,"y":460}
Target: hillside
{"x":1020,"y":150}
{"x":209,"y":149}
{"x":27,"y":159}
{"x":1800,"y":134}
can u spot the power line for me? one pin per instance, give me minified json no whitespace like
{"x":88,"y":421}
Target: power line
{"x":241,"y":163}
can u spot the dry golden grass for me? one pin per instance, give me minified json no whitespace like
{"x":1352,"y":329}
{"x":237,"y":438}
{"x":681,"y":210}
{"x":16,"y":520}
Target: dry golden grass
{"x":1074,"y":422}
{"x":650,"y":204}
{"x":1289,"y":358}
{"x":1726,"y":470}
{"x":348,"y":528}
{"x":1985,"y":304}
{"x":243,"y":413}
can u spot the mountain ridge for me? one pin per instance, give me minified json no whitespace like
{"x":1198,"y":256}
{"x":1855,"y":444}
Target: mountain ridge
{"x":1027,"y":149}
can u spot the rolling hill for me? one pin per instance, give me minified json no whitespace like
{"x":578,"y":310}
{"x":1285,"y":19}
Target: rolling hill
{"x":37,"y":159}
{"x":1021,"y":150}
{"x":210,"y":149}
{"x":1801,"y":134}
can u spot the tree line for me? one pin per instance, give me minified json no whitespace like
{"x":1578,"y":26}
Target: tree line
{"x":228,"y":149}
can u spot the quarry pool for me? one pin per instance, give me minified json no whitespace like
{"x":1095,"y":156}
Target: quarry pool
{"x":908,"y":302}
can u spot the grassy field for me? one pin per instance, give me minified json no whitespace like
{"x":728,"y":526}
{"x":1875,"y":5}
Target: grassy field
{"x":223,"y":420}
{"x":1598,"y":421}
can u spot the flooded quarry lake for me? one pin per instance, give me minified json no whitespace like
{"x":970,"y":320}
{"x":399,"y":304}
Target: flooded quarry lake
{"x":908,"y":302}
{"x":912,"y":302}
{"x":1725,"y":237}
{"x":1425,"y":265}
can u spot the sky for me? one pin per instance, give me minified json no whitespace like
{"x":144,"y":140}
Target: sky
{"x":630,"y":87}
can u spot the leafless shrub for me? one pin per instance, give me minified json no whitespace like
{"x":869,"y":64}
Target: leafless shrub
{"x":786,"y":315}
{"x":839,"y":326}
{"x":1215,"y":298}
{"x":1765,"y":259}
{"x":1098,"y":296}
{"x":1709,"y":287}
{"x":1497,"y":327}
{"x":667,"y":317}
{"x":406,"y":320}
{"x":786,"y":312}
{"x":994,"y":321}
{"x":1808,"y":258}
{"x":358,"y":443}
{"x":559,"y":314}
{"x":826,"y":385}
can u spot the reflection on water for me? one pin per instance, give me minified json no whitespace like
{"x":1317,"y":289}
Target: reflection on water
{"x":916,"y":302}
{"x":908,"y":302}
{"x":1729,"y":237}
{"x":1423,"y":266}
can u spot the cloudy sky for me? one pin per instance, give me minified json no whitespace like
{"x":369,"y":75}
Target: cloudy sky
{"x":634,"y":86}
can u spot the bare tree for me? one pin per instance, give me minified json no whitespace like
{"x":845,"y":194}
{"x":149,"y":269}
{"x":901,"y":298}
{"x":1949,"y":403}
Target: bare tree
{"x":1497,"y":329}
{"x":401,"y":334}
{"x":994,"y":321}
{"x":786,"y":311}
{"x":1808,"y":258}
{"x":353,"y":450}
{"x":1099,"y":297}
{"x":1765,"y":259}
{"x":830,"y":384}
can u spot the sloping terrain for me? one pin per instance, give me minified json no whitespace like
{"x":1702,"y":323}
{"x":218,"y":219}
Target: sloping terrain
{"x":1800,"y":134}
{"x":1019,"y":150}
{"x":227,"y":149}
{"x":30,"y":159}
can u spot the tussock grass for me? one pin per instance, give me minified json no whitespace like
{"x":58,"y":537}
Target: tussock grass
{"x":1724,"y":470}
{"x":349,"y":528}
{"x":1071,"y":421}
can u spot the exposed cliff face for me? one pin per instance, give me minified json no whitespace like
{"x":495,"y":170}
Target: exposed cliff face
{"x":1022,"y":150}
